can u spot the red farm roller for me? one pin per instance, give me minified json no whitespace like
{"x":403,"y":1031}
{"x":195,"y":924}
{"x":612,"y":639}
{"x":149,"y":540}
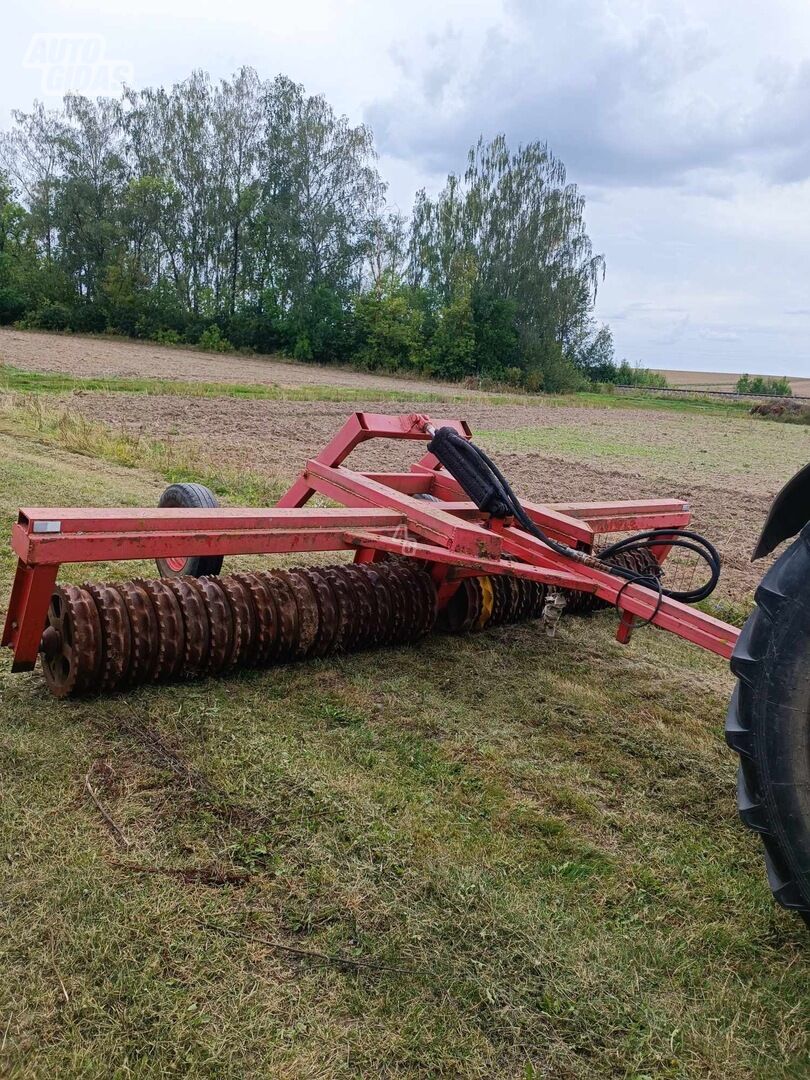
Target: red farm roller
{"x":446,"y":545}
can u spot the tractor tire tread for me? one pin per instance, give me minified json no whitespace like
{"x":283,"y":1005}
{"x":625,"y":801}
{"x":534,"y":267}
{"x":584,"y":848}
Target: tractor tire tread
{"x":770,"y":627}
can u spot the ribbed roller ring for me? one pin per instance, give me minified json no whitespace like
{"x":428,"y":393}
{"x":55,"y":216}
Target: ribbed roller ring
{"x":145,"y":643}
{"x":398,"y":616}
{"x":539,"y":594}
{"x":171,"y":632}
{"x":487,"y":602}
{"x":525,"y":604}
{"x":308,"y":614}
{"x":328,"y":620}
{"x":413,"y":602}
{"x":195,"y":625}
{"x":512,"y":613}
{"x":287,"y":611}
{"x":266,"y":642}
{"x":220,"y":622}
{"x":425,"y":583}
{"x":365,"y":597}
{"x":71,"y":645}
{"x":501,"y":600}
{"x":382,"y":604}
{"x":464,"y":608}
{"x":116,"y":637}
{"x":243,"y":649}
{"x":350,"y":608}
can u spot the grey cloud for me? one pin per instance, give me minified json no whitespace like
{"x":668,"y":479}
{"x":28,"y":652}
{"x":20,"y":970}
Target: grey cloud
{"x":713,"y":333}
{"x":638,"y":107}
{"x":674,"y":333}
{"x":643,"y":309}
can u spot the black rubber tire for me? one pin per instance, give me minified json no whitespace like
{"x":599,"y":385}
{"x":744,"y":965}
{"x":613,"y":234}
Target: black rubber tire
{"x":768,"y":723}
{"x":197,"y":497}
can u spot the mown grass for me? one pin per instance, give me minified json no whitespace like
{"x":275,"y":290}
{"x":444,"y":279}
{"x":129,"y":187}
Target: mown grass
{"x":26,"y":415}
{"x":535,"y":840}
{"x":35,"y":382}
{"x":16,"y":379}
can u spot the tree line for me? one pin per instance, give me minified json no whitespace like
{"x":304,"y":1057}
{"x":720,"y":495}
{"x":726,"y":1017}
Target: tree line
{"x":247,"y":214}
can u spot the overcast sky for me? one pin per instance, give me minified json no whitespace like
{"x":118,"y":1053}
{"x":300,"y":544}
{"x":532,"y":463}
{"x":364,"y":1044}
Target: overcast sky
{"x":685,"y":122}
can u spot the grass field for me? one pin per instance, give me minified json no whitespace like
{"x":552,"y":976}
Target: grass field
{"x":496,"y":856}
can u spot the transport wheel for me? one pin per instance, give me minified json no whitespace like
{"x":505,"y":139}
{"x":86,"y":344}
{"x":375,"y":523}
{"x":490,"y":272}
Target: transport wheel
{"x":768,"y":723}
{"x":197,"y":497}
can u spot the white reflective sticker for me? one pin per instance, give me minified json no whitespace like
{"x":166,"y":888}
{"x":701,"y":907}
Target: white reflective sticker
{"x":47,"y":526}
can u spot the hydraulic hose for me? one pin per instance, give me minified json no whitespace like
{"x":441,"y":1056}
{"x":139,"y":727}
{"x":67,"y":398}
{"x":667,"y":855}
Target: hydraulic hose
{"x":489,"y":489}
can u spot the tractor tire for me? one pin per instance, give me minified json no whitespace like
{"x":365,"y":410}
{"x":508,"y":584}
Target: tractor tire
{"x":197,"y":497}
{"x":768,"y":723}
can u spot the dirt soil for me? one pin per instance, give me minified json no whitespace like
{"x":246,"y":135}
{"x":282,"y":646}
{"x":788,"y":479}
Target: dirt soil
{"x":89,"y":356}
{"x":727,"y":469}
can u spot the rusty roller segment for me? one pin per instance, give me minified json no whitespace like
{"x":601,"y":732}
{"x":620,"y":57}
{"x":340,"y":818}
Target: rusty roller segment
{"x":481,"y":602}
{"x":103,"y":637}
{"x":71,"y":645}
{"x":495,"y":600}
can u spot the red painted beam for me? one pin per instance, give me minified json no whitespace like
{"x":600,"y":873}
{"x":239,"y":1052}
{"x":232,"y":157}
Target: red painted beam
{"x":40,"y":520}
{"x":559,"y":578}
{"x":125,"y":546}
{"x":359,"y":428}
{"x":407,"y":482}
{"x":622,"y":508}
{"x":631,"y":515}
{"x":27,"y":608}
{"x":424,"y":518}
{"x":559,"y":526}
{"x":152,"y":533}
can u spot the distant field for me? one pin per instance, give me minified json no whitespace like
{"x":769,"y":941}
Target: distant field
{"x":720,"y":380}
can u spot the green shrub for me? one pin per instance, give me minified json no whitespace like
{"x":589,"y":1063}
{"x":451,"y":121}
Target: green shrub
{"x":629,"y":375}
{"x":533,"y":381}
{"x":51,"y":316}
{"x":549,"y":370}
{"x":12,"y":305}
{"x":211,"y":340}
{"x":390,"y":329}
{"x":766,"y":385}
{"x":167,"y":337}
{"x":88,"y":319}
{"x":322,"y":327}
{"x":302,"y":349}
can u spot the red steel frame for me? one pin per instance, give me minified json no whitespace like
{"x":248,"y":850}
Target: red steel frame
{"x":378,"y":513}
